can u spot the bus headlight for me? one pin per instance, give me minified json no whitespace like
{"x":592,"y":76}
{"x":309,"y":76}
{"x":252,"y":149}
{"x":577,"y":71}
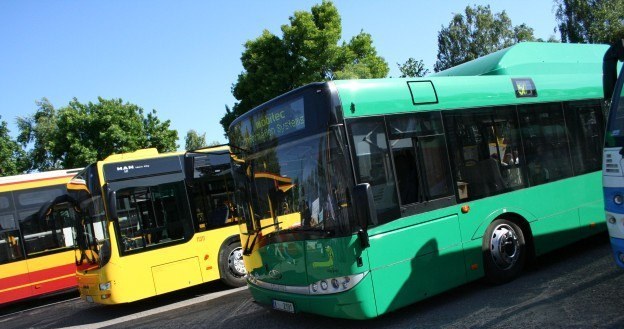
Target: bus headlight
{"x":105,"y":286}
{"x":338,"y":284}
{"x":618,"y":200}
{"x":611,"y":220}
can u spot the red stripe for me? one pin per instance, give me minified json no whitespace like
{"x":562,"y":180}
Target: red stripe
{"x":47,"y":274}
{"x":56,"y":285}
{"x":53,"y":272}
{"x":14,"y":281}
{"x":16,"y":294}
{"x":38,"y":289}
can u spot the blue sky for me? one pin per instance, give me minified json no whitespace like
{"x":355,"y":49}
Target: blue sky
{"x":182,"y":57}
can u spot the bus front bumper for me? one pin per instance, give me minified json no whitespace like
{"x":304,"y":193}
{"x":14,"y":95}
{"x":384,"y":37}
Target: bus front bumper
{"x":357,"y":303}
{"x":92,"y":291}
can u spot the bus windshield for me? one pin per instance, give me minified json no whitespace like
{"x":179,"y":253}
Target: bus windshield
{"x":300,"y":184}
{"x":91,"y":233}
{"x":151,"y":215}
{"x":615,"y":128}
{"x":151,"y":206}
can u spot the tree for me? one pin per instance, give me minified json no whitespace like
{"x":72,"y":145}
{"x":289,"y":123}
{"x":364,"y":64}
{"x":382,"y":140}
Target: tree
{"x":12,"y":156}
{"x":158,"y":133}
{"x":194,"y":141}
{"x":590,"y":21}
{"x":412,"y":68}
{"x":39,"y":129}
{"x":79,"y":134}
{"x":358,"y":59}
{"x":308,"y":51}
{"x":475,"y":34}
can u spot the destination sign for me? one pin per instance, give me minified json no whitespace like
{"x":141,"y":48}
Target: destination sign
{"x":269,"y":124}
{"x":142,"y":168}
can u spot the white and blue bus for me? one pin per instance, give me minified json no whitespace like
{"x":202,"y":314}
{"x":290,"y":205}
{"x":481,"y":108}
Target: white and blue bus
{"x":613,"y":161}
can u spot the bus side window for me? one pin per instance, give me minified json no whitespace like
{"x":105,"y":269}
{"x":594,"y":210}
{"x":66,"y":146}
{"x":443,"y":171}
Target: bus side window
{"x":485,"y":150}
{"x":545,"y":142}
{"x":373,"y":165}
{"x":10,"y":243}
{"x":212,"y":202}
{"x":420,"y":157}
{"x":585,"y":123}
{"x":10,"y":246}
{"x":42,"y":229}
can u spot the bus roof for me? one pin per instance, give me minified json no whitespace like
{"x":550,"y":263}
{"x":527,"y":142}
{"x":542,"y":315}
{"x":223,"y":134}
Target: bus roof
{"x":138,"y":154}
{"x":533,"y":58}
{"x":152,"y":153}
{"x":38,"y":176}
{"x":482,"y":83}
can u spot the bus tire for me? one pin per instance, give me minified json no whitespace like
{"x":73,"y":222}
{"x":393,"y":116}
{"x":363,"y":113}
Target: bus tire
{"x":504,"y":251}
{"x":231,"y":265}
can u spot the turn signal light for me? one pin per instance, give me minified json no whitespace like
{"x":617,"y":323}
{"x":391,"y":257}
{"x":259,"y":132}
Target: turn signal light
{"x":465,"y":209}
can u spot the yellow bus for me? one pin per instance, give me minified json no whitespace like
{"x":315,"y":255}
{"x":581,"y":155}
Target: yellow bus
{"x":155,"y":223}
{"x":37,"y":235}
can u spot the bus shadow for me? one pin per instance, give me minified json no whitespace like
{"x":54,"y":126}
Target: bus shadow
{"x":107,"y":312}
{"x":36,"y":302}
{"x":530,"y":293}
{"x":80,"y":313}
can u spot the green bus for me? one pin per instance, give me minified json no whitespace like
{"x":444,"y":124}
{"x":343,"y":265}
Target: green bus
{"x":394,"y":190}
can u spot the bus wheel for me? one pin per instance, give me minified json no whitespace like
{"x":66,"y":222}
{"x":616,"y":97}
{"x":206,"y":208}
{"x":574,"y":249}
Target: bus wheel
{"x":504,"y":251}
{"x":231,"y":265}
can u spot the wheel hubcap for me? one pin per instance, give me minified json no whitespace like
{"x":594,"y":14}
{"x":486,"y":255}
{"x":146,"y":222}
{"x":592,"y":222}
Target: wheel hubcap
{"x":504,"y":246}
{"x":235,"y":262}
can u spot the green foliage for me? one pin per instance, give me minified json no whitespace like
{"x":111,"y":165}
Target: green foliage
{"x":12,"y":156}
{"x":574,"y":18}
{"x":412,"y":68}
{"x":308,"y":51}
{"x":476,"y":33}
{"x":194,"y":141}
{"x":79,"y":134}
{"x":39,"y":129}
{"x":611,"y":14}
{"x":159,"y":134}
{"x":360,"y":59}
{"x":590,"y":21}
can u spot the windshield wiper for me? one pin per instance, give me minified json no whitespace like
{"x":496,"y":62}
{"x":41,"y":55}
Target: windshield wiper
{"x":316,"y":229}
{"x":309,"y":229}
{"x":248,"y":248}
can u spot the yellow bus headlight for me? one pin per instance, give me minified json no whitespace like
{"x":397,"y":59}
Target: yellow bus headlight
{"x":105,"y":286}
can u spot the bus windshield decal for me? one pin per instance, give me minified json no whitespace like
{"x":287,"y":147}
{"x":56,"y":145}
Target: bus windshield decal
{"x":524,"y":87}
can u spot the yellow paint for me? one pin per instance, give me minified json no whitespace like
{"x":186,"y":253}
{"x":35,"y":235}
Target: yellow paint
{"x":132,"y":277}
{"x":330,"y":259}
{"x":148,"y":273}
{"x":177,"y":275}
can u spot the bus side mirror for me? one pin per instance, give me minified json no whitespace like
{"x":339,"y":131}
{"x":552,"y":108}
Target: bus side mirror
{"x":111,"y":198}
{"x":364,"y":209}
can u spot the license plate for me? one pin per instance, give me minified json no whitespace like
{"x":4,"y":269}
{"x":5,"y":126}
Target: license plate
{"x":283,"y":306}
{"x":89,"y":299}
